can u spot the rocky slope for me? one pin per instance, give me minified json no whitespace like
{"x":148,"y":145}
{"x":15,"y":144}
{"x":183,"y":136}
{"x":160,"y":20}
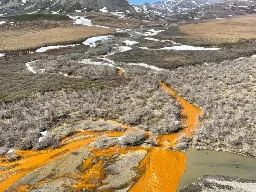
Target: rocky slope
{"x":59,"y":6}
{"x":197,"y":9}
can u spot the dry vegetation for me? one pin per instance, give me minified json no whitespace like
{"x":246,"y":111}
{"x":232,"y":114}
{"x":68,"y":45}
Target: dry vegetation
{"x":28,"y":39}
{"x":110,"y":20}
{"x":224,"y":30}
{"x":139,"y":102}
{"x":226,"y":93}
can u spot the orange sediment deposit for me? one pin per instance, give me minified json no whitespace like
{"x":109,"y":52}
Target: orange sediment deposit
{"x":120,"y":72}
{"x":160,"y":170}
{"x":115,"y":134}
{"x":163,"y":170}
{"x":190,"y":122}
{"x":23,"y":188}
{"x":93,"y":167}
{"x":34,"y":159}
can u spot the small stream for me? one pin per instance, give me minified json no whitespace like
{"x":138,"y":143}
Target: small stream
{"x":207,"y":162}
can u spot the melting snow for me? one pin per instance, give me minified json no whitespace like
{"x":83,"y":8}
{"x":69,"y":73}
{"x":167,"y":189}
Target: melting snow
{"x":152,"y":32}
{"x":91,"y":62}
{"x":154,"y":39}
{"x":124,"y":48}
{"x":146,"y":48}
{"x":92,"y":41}
{"x":128,"y":42}
{"x":81,"y":20}
{"x":64,"y":74}
{"x":253,"y":56}
{"x":118,"y":14}
{"x":151,"y":39}
{"x":120,"y":30}
{"x":190,"y":48}
{"x":2,"y":22}
{"x":104,"y":10}
{"x":146,"y":66}
{"x":10,"y":151}
{"x":43,"y":135}
{"x":44,"y":49}
{"x":29,"y":67}
{"x":2,"y":54}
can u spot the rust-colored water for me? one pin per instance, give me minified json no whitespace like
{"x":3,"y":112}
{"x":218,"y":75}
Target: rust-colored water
{"x":163,"y":170}
{"x":160,"y":170}
{"x":190,"y":120}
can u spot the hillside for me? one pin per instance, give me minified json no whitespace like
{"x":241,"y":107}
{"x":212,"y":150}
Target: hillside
{"x":198,"y":9}
{"x":63,"y":6}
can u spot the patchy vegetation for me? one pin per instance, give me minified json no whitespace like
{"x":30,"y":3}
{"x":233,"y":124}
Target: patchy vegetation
{"x":173,"y":59}
{"x":37,"y":17}
{"x":30,"y":39}
{"x":137,"y":104}
{"x":226,"y":94}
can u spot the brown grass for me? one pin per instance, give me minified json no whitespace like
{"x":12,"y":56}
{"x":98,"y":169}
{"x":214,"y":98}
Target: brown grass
{"x":28,"y":39}
{"x":230,"y":29}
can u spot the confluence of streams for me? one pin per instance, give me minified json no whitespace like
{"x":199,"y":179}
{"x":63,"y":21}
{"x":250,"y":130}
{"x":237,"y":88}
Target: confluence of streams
{"x":161,"y":169}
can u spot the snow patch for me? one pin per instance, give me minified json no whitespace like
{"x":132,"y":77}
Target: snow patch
{"x":2,"y":22}
{"x":190,"y":48}
{"x":29,"y":67}
{"x":97,"y":63}
{"x":44,"y":49}
{"x":124,"y":49}
{"x":145,"y":66}
{"x":151,"y":39}
{"x":92,"y":41}
{"x":118,"y":30}
{"x":152,"y":32}
{"x":118,"y":14}
{"x":158,"y":40}
{"x":64,"y":74}
{"x":128,"y":42}
{"x":81,"y":20}
{"x":104,"y":10}
{"x":145,"y":48}
{"x":10,"y":151}
{"x":253,"y":56}
{"x":43,"y":136}
{"x":2,"y":54}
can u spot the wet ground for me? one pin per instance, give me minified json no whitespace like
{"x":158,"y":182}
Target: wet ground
{"x":205,"y":162}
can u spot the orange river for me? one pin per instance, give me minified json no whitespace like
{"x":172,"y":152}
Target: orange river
{"x":160,"y":170}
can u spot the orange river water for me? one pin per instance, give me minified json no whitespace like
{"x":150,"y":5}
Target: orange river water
{"x":160,"y":170}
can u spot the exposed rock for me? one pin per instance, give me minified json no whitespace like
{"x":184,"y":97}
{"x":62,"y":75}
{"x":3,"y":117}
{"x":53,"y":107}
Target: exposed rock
{"x":59,"y":6}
